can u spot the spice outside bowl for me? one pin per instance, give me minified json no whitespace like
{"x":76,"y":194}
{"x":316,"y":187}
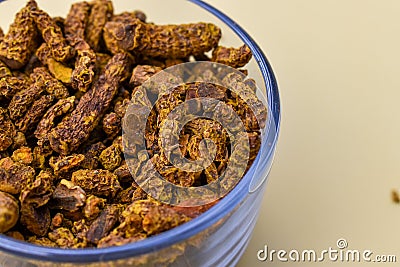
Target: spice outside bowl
{"x":219,"y":236}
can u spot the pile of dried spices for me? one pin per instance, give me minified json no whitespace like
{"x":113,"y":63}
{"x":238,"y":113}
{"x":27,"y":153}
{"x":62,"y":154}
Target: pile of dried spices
{"x":65,"y":86}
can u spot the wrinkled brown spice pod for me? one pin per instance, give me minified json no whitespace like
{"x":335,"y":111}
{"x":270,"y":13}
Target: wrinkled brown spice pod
{"x":9,"y":212}
{"x":76,"y":21}
{"x":75,"y":130}
{"x":164,"y":41}
{"x":20,"y":42}
{"x":233,"y":57}
{"x":52,"y":35}
{"x":101,"y":12}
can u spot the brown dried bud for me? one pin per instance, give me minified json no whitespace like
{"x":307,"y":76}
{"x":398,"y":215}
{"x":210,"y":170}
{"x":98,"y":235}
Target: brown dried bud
{"x":110,"y":158}
{"x":4,"y":70}
{"x":65,"y":164}
{"x":23,"y":155}
{"x":52,"y":35}
{"x":97,"y":182}
{"x":19,"y":140}
{"x":16,"y":235}
{"x":42,"y":241}
{"x":52,"y":86}
{"x":9,"y":212}
{"x":35,"y":113}
{"x":14,"y":176}
{"x":62,"y":237}
{"x":129,"y":17}
{"x":111,"y":124}
{"x":164,"y":41}
{"x":104,"y":223}
{"x":102,"y":11}
{"x":21,"y":102}
{"x":83,"y":74}
{"x":92,"y":154}
{"x":76,"y":129}
{"x":57,"y":221}
{"x":233,"y":57}
{"x":7,"y":130}
{"x":68,"y":196}
{"x":20,"y":42}
{"x":9,"y":86}
{"x":76,"y":21}
{"x":35,"y":215}
{"x":142,"y":73}
{"x":94,"y":205}
{"x":123,"y":173}
{"x":60,"y":71}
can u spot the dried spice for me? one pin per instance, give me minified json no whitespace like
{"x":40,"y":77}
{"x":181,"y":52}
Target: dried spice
{"x":16,"y":235}
{"x":4,"y":70}
{"x":157,"y":218}
{"x":234,"y":57}
{"x":60,"y":71}
{"x":22,"y":100}
{"x":42,"y":241}
{"x":129,"y":17}
{"x":7,"y":131}
{"x":52,"y":35}
{"x":111,"y":124}
{"x":10,"y":85}
{"x":57,"y":221}
{"x":93,"y":206}
{"x":14,"y":176}
{"x":23,"y":155}
{"x":110,"y":158}
{"x":20,"y":42}
{"x":142,"y":73}
{"x":63,"y":237}
{"x":104,"y":223}
{"x":35,"y":113}
{"x":68,"y":196}
{"x":9,"y":212}
{"x":101,"y":12}
{"x":19,"y":140}
{"x":73,"y":131}
{"x":75,"y":22}
{"x":53,"y":86}
{"x":123,"y":173}
{"x":164,"y":41}
{"x":97,"y":182}
{"x":64,"y":164}
{"x":92,"y":154}
{"x":35,"y":214}
{"x":63,"y":106}
{"x":83,"y":73}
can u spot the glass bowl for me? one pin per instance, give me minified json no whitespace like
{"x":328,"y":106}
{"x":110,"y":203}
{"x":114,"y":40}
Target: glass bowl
{"x":219,"y":236}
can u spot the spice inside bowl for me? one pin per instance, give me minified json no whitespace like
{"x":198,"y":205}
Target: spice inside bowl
{"x":117,"y":129}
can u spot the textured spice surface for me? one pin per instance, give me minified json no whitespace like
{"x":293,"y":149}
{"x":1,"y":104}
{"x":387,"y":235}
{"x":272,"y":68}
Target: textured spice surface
{"x":76,"y":129}
{"x":20,"y":42}
{"x":71,"y":150}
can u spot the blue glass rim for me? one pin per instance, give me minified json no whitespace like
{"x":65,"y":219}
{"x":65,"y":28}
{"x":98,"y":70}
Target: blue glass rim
{"x":189,"y":229}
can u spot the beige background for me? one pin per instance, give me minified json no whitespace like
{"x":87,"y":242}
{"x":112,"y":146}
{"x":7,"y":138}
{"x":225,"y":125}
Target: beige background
{"x":337,"y":63}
